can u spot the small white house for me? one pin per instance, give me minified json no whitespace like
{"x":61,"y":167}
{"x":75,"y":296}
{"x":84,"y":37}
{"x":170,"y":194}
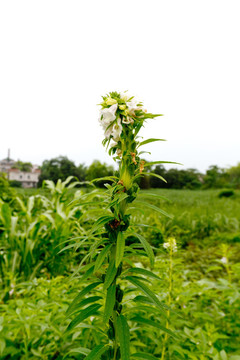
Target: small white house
{"x":27,"y":179}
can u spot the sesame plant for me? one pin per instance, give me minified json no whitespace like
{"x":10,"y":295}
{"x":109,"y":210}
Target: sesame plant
{"x":123,"y":298}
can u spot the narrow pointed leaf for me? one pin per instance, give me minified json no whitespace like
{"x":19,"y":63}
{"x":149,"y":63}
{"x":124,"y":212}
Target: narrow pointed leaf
{"x":110,"y":301}
{"x":105,"y":178}
{"x":124,"y":337}
{"x":88,"y":300}
{"x":147,"y":247}
{"x":144,"y":356}
{"x":79,"y":350}
{"x":154,"y":175}
{"x":161,"y":162}
{"x":147,"y":292}
{"x":101,"y":257}
{"x":84,"y":314}
{"x":82,"y":293}
{"x":110,"y":275}
{"x":153,"y":207}
{"x":96,"y":352}
{"x":120,"y":248}
{"x":140,"y":319}
{"x":149,"y":141}
{"x":143,"y":272}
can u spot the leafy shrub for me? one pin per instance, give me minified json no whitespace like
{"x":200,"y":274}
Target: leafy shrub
{"x":15,"y":183}
{"x":226,"y":193}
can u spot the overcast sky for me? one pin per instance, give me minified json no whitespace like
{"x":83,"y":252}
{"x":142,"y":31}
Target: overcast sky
{"x":181,"y":58}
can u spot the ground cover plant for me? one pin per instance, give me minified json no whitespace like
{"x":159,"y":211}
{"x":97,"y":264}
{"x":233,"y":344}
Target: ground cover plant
{"x":205,"y":289}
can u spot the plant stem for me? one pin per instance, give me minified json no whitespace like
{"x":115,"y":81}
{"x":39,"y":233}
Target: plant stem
{"x":169,"y":299}
{"x":115,"y":328}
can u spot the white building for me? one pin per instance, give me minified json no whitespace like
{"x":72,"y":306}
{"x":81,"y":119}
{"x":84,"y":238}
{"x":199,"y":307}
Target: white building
{"x":28,"y":179}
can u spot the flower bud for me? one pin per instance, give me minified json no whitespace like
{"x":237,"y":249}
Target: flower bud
{"x":111,"y":101}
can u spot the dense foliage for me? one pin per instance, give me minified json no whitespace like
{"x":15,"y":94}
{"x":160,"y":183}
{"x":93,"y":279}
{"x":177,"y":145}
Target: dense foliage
{"x":205,"y":280}
{"x":214,"y":178}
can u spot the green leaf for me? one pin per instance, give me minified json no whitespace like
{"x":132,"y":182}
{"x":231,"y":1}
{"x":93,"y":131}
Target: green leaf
{"x":147,"y":292}
{"x":75,"y":302}
{"x":124,"y":337}
{"x":160,"y":162}
{"x":120,"y":248}
{"x":79,"y":350}
{"x":88,"y":300}
{"x":6,"y":215}
{"x":147,"y":194}
{"x":144,"y":356}
{"x":87,"y":274}
{"x":147,"y":247}
{"x":154,"y":175}
{"x":96,"y":352}
{"x":110,"y":275}
{"x":143,"y":272}
{"x":142,"y":320}
{"x":84,"y":314}
{"x":153,"y":207}
{"x":2,"y":346}
{"x":105,"y":178}
{"x":143,"y":299}
{"x":110,"y":301}
{"x":223,"y":355}
{"x":100,"y":222}
{"x":149,"y":141}
{"x":101,"y":257}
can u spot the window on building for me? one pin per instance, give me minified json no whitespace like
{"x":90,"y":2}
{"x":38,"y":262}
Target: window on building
{"x":20,"y":177}
{"x":28,"y":176}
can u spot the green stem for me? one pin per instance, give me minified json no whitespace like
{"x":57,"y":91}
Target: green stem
{"x":115,"y":329}
{"x":169,"y":299}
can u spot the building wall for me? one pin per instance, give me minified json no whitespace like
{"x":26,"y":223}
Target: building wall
{"x":27,"y":179}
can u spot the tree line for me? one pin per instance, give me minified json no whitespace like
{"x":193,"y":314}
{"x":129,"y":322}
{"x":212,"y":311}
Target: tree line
{"x":215,"y":177}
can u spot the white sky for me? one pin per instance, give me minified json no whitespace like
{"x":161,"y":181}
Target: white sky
{"x":181,"y":58}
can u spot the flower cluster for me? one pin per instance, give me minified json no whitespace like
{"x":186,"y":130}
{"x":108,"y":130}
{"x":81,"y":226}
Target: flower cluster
{"x":118,"y":111}
{"x":170,"y":244}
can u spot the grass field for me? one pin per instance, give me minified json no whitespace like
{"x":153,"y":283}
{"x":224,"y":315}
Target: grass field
{"x":199,"y":281}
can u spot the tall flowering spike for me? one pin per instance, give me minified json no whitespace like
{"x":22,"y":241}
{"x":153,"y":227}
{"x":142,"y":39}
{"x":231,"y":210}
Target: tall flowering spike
{"x":121,"y":117}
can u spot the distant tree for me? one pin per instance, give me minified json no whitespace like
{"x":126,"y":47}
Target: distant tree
{"x":82,"y":172}
{"x":215,"y":177}
{"x":234,"y":176}
{"x":57,"y":168}
{"x":23,"y":166}
{"x":176,"y":179}
{"x":99,"y":170}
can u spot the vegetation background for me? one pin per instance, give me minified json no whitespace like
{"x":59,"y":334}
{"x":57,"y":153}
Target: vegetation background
{"x":200,"y":280}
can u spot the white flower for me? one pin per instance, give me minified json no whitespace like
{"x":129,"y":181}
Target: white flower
{"x":113,"y":144}
{"x":133,"y":106}
{"x":108,"y":131}
{"x":171,"y":244}
{"x":124,"y":96}
{"x":224,"y":260}
{"x":119,"y":152}
{"x":127,"y":120}
{"x":108,"y":115}
{"x":117,"y":130}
